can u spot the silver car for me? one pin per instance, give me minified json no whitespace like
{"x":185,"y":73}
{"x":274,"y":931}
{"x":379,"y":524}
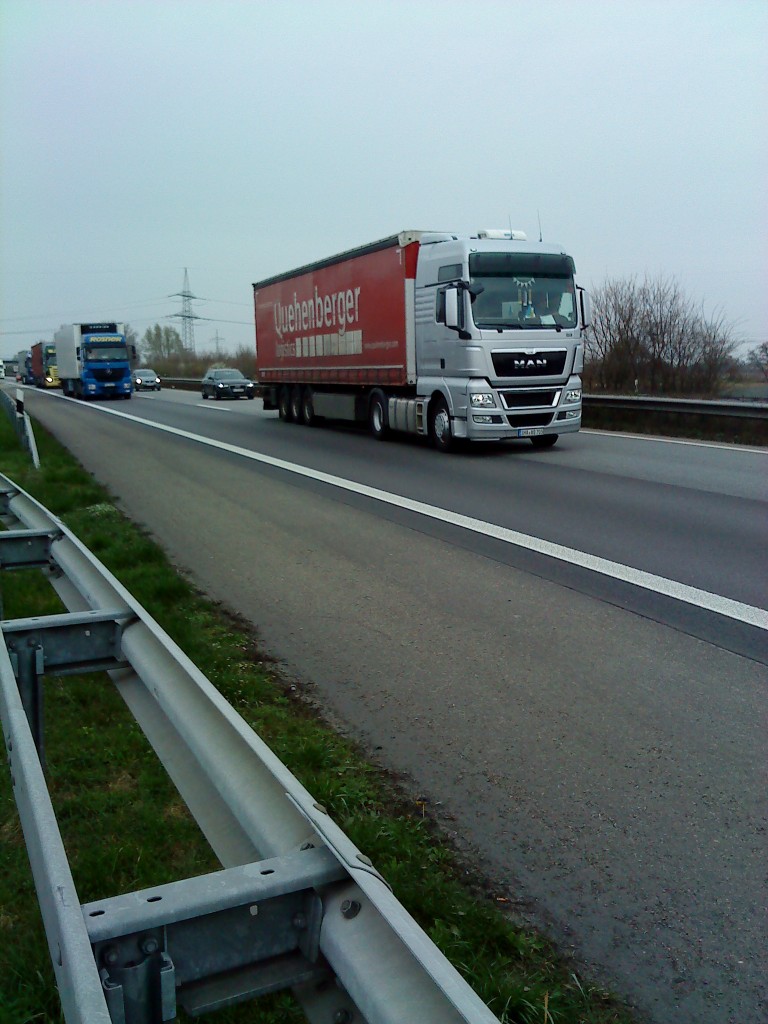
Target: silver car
{"x":146,"y":380}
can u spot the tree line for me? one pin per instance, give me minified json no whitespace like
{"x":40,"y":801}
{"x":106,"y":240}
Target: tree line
{"x":162,"y":349}
{"x":647,"y":336}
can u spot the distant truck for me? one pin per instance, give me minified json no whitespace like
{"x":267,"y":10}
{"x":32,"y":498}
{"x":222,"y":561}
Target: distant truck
{"x":453,"y":337}
{"x":24,"y":367}
{"x":94,"y":360}
{"x":45,"y":372}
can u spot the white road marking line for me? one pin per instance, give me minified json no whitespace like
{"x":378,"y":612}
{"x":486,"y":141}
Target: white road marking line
{"x":703,"y":599}
{"x":678,"y":440}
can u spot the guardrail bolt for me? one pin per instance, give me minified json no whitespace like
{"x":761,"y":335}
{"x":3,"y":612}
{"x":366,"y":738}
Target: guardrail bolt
{"x":350,"y":909}
{"x":110,"y":956}
{"x":342,"y":1017}
{"x":149,"y":945}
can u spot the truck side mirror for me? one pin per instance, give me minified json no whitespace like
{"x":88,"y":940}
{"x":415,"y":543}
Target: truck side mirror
{"x":452,"y":314}
{"x":586,"y":308}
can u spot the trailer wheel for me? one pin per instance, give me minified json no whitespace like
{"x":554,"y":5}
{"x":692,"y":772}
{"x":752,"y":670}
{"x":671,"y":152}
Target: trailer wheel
{"x":296,"y":404}
{"x":440,"y":425}
{"x":544,"y":441}
{"x":307,"y":408}
{"x":378,"y":421}
{"x":284,"y":403}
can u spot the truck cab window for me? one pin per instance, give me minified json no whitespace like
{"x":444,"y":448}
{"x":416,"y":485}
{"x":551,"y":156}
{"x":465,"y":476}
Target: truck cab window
{"x":449,"y":272}
{"x":523,"y":291}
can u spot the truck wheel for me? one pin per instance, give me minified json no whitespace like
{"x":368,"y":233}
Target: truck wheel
{"x":544,"y":441}
{"x":296,"y":404}
{"x":307,"y":408}
{"x":440,"y":425}
{"x":378,"y":421}
{"x":284,"y":404}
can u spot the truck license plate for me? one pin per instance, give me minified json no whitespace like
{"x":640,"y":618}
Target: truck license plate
{"x":530,"y":431}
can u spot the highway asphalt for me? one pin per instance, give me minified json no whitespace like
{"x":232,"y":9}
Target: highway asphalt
{"x":592,"y":739}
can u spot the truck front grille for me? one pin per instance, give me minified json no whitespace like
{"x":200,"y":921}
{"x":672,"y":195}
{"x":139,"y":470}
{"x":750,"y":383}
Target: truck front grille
{"x":524,"y":399}
{"x":109,"y":376}
{"x":530,"y":363}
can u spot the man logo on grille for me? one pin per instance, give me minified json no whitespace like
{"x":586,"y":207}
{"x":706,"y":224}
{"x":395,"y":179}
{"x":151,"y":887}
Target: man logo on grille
{"x":525,"y":364}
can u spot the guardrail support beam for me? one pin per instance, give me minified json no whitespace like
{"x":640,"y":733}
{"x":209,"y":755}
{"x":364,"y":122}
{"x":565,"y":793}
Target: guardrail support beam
{"x":26,"y":549}
{"x":214,"y":940}
{"x":68,"y":644}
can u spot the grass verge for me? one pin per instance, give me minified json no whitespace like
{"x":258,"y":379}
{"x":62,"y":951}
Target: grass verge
{"x":125,"y":827}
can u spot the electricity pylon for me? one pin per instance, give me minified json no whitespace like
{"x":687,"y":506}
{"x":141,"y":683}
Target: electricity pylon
{"x":186,"y":315}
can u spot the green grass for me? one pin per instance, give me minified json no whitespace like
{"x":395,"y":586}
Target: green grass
{"x":125,"y":827}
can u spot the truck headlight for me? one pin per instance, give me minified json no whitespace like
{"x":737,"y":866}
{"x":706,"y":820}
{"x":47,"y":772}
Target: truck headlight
{"x":484,"y":399}
{"x":574,"y":395}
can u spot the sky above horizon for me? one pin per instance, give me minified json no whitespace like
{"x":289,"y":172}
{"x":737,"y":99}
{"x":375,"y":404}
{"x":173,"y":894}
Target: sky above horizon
{"x":241,"y":139}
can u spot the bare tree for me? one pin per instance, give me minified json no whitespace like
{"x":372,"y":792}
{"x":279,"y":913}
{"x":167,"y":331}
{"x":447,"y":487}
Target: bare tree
{"x":758,"y":359}
{"x":614,"y":346}
{"x":649,"y":337}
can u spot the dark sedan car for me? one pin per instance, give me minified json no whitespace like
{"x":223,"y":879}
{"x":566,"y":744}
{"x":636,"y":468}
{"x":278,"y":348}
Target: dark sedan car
{"x":227,"y":383}
{"x":146,"y":380}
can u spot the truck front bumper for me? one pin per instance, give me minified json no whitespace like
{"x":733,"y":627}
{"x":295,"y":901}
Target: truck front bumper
{"x":510,"y":417}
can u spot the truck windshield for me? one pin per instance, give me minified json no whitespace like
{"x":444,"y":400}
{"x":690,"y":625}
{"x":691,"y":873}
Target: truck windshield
{"x":523,"y":290}
{"x":105,"y":353}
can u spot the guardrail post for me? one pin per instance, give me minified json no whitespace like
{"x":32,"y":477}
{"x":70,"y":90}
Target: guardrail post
{"x":27,"y":661}
{"x":143,"y":991}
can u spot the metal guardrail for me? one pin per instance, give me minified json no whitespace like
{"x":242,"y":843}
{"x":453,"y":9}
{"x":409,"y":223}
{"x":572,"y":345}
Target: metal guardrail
{"x":21,"y":422}
{"x":680,"y":406}
{"x":296,"y":904}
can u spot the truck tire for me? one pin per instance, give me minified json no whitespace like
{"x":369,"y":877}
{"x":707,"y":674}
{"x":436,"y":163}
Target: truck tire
{"x":308,"y":417}
{"x":440,"y":425}
{"x":296,"y":404}
{"x":544,"y":440}
{"x":378,"y":420}
{"x":284,"y":403}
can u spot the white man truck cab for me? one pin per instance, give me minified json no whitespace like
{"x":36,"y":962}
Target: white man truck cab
{"x":506,"y":336}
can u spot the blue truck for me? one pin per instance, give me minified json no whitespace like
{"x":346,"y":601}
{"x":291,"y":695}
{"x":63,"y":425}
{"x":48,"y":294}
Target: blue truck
{"x":94,"y":360}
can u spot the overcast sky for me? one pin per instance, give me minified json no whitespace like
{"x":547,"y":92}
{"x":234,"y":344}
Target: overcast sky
{"x":240,"y":139}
